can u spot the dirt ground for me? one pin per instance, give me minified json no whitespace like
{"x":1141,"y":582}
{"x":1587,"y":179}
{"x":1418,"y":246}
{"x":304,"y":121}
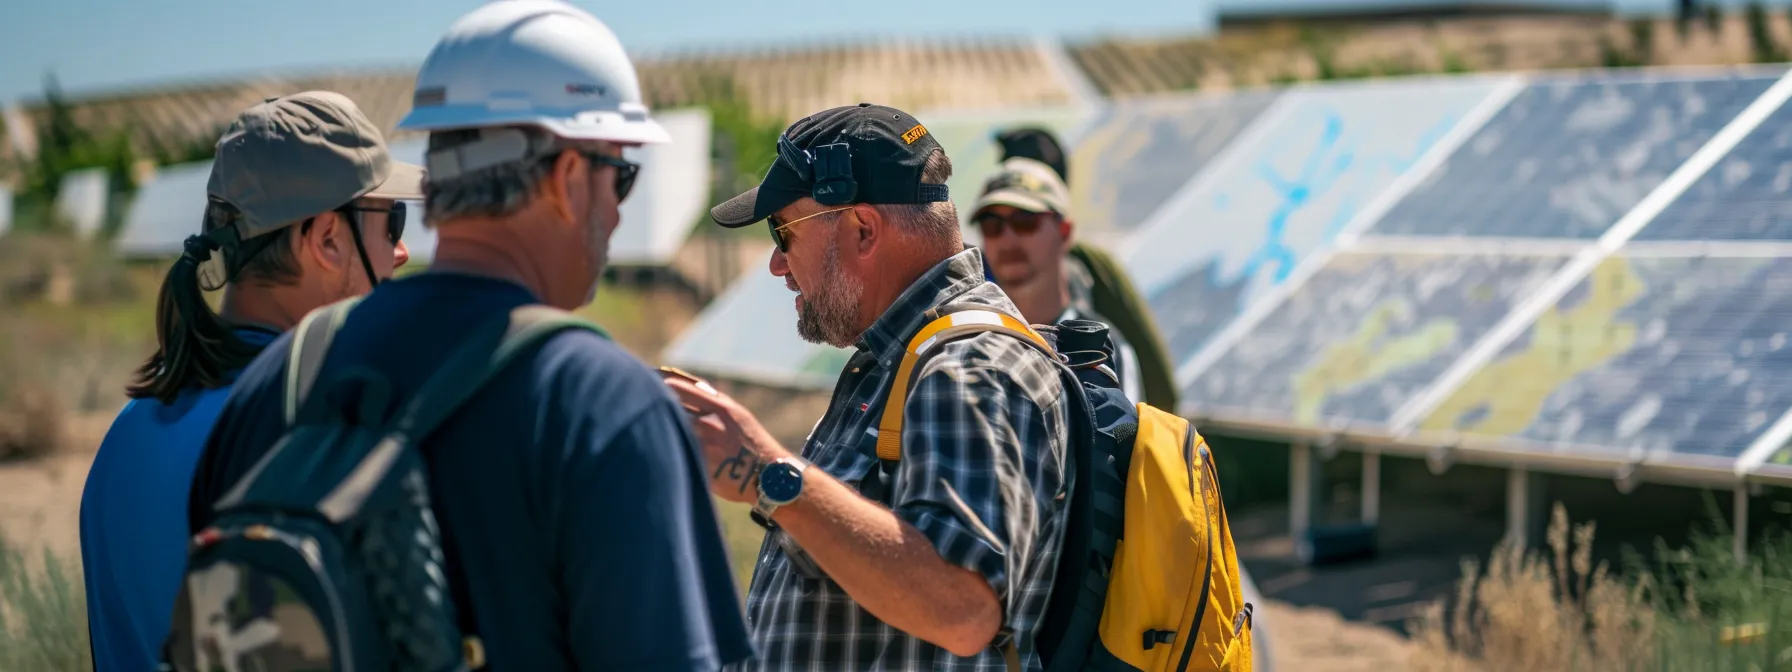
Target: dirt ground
{"x":40,"y":505}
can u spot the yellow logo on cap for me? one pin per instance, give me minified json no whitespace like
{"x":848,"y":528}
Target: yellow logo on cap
{"x":913,"y":134}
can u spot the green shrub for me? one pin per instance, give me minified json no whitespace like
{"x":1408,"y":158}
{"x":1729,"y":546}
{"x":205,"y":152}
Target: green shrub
{"x":43,"y":614}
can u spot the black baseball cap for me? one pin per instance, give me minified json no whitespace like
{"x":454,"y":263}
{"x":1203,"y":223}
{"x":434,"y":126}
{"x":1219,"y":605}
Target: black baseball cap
{"x":856,"y":154}
{"x":1038,"y":144}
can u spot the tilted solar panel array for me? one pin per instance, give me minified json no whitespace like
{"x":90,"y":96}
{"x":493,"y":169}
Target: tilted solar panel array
{"x":1509,"y":294}
{"x":1593,"y":264}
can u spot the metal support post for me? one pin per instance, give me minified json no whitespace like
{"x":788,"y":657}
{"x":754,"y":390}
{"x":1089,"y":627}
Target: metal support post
{"x":1371,"y":487}
{"x":1525,"y":514}
{"x":1739,"y":539}
{"x":1304,"y":479}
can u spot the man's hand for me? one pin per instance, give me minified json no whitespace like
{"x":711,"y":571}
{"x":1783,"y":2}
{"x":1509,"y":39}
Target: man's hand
{"x":734,"y":443}
{"x":887,"y":565}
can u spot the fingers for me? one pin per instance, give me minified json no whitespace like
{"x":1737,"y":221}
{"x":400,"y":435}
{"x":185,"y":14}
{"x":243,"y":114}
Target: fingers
{"x":697,"y":401}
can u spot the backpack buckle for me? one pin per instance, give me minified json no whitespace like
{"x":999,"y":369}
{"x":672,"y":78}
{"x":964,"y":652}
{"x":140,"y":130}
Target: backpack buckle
{"x":472,"y":650}
{"x":1156,"y":637}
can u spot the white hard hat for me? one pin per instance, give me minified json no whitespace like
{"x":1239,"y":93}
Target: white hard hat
{"x":532,"y":62}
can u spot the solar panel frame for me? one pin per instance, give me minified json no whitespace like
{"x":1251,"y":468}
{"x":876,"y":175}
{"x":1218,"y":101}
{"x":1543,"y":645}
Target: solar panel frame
{"x":1737,"y":200}
{"x":1291,"y":204}
{"x":1367,"y":332}
{"x":1607,"y":366}
{"x":1490,"y":187}
{"x":1121,"y":176}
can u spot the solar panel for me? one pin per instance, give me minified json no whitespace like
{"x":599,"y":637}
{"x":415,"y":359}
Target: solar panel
{"x":1568,"y":156}
{"x":1139,"y":152}
{"x":1285,"y":188}
{"x":165,"y":211}
{"x":1747,"y":196}
{"x":82,"y":199}
{"x":1650,"y":355}
{"x":670,"y":195}
{"x":969,"y":140}
{"x":1364,"y":334}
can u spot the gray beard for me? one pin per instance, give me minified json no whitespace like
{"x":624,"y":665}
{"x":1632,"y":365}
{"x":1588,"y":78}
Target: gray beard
{"x":831,"y":307}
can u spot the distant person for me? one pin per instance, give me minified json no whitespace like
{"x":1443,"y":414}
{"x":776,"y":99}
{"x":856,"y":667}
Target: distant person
{"x":569,"y":490}
{"x":1024,"y":216}
{"x":1099,"y":284}
{"x":946,"y":561}
{"x":303,"y":210}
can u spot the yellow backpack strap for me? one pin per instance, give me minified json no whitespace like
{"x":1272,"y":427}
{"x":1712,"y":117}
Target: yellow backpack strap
{"x":951,"y":326}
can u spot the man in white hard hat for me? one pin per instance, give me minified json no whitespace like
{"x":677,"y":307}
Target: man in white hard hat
{"x":570,"y":489}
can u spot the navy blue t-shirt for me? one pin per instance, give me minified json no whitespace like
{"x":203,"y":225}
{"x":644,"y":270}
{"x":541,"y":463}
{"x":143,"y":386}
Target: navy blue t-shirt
{"x":570,"y":489}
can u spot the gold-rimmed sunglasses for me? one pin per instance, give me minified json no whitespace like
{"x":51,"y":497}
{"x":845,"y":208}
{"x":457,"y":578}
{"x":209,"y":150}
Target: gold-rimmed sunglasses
{"x":778,"y":229}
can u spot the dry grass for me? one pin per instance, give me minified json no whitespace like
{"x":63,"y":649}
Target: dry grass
{"x":1531,"y":611}
{"x":1558,"y":610}
{"x":43,"y":614}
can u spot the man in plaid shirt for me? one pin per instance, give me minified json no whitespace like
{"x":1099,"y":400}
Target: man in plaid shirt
{"x":947,"y":561}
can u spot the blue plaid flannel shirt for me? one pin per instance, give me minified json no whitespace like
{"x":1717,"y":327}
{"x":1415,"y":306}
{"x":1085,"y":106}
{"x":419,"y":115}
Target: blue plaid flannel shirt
{"x":985,"y":425}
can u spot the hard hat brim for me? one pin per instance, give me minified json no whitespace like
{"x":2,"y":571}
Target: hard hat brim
{"x":605,"y":128}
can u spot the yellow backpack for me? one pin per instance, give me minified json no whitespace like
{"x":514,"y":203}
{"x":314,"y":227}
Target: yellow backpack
{"x":1148,"y":578}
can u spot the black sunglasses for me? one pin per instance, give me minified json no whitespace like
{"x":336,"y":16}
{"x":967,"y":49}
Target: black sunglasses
{"x":626,"y":171}
{"x":395,"y":219}
{"x":1023,"y":222}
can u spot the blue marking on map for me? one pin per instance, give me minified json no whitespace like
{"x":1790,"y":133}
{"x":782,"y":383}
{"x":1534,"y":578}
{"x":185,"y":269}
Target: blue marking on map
{"x":1325,"y":165}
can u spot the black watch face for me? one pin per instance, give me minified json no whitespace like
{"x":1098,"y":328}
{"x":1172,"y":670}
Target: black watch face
{"x":780,"y":482}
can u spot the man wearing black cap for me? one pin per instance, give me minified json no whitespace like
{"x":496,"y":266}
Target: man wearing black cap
{"x":942,"y":559}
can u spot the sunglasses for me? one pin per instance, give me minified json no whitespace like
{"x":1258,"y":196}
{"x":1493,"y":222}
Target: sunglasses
{"x":1022,"y":222}
{"x":778,"y":229}
{"x":626,"y":171}
{"x":395,"y":219}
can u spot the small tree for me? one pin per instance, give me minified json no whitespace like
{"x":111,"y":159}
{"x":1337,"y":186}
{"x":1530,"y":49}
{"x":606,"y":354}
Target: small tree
{"x":1765,"y":49}
{"x":65,"y":146}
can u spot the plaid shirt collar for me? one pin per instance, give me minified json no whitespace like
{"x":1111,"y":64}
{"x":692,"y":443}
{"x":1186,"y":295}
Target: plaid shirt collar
{"x":939,"y":286}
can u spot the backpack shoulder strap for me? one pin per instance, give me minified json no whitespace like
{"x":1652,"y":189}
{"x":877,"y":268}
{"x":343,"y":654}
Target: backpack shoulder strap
{"x":487,"y":351}
{"x":953,"y":324}
{"x":305,"y":352}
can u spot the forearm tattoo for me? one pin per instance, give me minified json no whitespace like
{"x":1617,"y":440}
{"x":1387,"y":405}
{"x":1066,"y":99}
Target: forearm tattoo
{"x":742,"y":466}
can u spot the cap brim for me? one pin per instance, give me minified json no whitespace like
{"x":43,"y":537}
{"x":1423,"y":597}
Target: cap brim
{"x":404,"y":182}
{"x":757,"y":204}
{"x":1013,"y":199}
{"x":738,"y":211}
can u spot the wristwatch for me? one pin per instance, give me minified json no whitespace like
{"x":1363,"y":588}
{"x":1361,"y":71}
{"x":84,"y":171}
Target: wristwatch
{"x":780,"y":483}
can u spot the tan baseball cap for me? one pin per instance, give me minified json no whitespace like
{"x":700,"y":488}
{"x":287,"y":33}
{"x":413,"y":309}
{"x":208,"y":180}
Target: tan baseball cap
{"x":1026,"y":184}
{"x":298,"y":156}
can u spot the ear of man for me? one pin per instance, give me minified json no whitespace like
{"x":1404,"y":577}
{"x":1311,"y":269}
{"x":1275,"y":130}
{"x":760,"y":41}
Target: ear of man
{"x":557,"y":186}
{"x":869,"y":229}
{"x":327,"y":243}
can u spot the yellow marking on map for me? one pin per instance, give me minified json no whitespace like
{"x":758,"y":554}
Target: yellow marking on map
{"x":1563,"y":344}
{"x":1369,"y":355}
{"x":1113,"y":145}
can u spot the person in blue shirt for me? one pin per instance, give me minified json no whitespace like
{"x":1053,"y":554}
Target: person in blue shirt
{"x":570,"y":492}
{"x":305,"y":207}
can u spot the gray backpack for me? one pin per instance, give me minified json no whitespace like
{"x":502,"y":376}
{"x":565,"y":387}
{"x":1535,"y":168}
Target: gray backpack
{"x":326,"y":554}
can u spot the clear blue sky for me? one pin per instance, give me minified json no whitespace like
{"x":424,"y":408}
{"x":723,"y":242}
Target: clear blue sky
{"x":96,"y":45}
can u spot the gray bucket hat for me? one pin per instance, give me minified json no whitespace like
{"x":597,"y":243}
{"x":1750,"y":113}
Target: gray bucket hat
{"x":298,"y":156}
